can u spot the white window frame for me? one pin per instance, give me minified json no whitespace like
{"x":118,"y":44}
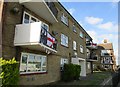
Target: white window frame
{"x":31,"y":16}
{"x":105,"y":51}
{"x":81,"y":34}
{"x":63,"y":61}
{"x":64,"y":40}
{"x":64,"y":19}
{"x":81,"y":49}
{"x":27,"y":63}
{"x":74,"y":45}
{"x":46,"y":25}
{"x":74,"y":28}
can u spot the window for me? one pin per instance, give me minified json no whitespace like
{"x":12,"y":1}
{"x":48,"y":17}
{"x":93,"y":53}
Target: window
{"x":64,"y":40}
{"x":62,"y":62}
{"x":105,"y":52}
{"x":45,"y":26}
{"x":64,"y":19}
{"x":74,"y":45}
{"x":88,"y":65}
{"x":31,"y":63}
{"x":27,"y":18}
{"x":74,"y":29}
{"x":81,"y":48}
{"x":81,"y":34}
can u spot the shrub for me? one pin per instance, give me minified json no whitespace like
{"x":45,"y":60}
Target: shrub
{"x":71,"y":72}
{"x":10,"y":72}
{"x":77,"y":71}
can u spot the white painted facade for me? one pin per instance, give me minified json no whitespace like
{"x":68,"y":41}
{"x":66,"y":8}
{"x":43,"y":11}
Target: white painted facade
{"x":82,"y":63}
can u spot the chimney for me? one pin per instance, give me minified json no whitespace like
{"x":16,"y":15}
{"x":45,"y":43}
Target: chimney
{"x":105,"y":41}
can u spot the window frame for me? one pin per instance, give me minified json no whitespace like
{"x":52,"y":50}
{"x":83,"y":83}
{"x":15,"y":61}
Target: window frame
{"x":64,"y":37}
{"x":81,"y":51}
{"x":28,"y":54}
{"x":74,"y":45}
{"x":64,"y":19}
{"x":31,"y":16}
{"x":62,"y":63}
{"x":74,"y":28}
{"x":81,"y":33}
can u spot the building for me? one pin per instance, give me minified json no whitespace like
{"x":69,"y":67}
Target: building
{"x":42,"y":36}
{"x":92,"y":56}
{"x":106,"y":55}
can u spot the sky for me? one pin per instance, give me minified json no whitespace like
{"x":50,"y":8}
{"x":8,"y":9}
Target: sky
{"x":99,"y":19}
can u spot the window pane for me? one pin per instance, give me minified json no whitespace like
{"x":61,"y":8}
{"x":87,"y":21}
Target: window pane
{"x":64,"y":40}
{"x":31,"y":63}
{"x":81,"y":48}
{"x":23,"y":65}
{"x":33,"y":20}
{"x":38,"y":60}
{"x":81,"y":34}
{"x":44,"y":63}
{"x":45,"y":26}
{"x":26,"y":18}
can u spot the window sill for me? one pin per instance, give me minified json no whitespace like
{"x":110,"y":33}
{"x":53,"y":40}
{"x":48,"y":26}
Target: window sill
{"x":65,"y":24}
{"x":81,"y":37}
{"x":64,"y":46}
{"x":35,"y":73}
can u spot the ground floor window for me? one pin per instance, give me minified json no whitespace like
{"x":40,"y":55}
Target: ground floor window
{"x":31,"y":63}
{"x":62,"y":62}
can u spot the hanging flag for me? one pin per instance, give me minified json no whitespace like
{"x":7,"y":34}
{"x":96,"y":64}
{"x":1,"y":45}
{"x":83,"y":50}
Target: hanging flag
{"x":50,"y":40}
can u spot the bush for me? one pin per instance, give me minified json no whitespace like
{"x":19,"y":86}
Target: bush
{"x":10,"y":72}
{"x":77,"y":72}
{"x":71,"y":72}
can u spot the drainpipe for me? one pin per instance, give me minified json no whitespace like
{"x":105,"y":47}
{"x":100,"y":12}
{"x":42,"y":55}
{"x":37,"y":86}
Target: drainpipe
{"x":1,"y":10}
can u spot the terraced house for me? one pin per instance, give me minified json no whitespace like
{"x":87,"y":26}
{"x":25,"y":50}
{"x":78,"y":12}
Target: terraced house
{"x":43,"y":36}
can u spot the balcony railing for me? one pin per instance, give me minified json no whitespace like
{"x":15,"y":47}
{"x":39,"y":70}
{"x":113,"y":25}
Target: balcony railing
{"x":92,"y":57}
{"x":91,"y":45}
{"x":35,"y":36}
{"x":48,"y":40}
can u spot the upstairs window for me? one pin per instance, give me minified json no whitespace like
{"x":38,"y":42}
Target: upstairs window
{"x":64,"y":40}
{"x":45,"y":26}
{"x":28,"y":18}
{"x":74,"y":29}
{"x":81,"y":34}
{"x":64,"y":19}
{"x":81,"y":49}
{"x":74,"y":45}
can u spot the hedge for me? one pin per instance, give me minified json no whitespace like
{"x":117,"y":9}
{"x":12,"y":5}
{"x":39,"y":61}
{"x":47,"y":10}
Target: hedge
{"x":10,"y":72}
{"x":71,"y":72}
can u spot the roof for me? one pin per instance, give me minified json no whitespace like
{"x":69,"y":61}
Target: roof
{"x":106,"y":45}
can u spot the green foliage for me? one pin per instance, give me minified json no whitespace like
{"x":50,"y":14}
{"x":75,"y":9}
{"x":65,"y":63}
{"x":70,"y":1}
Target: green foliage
{"x":71,"y":72}
{"x":10,"y":72}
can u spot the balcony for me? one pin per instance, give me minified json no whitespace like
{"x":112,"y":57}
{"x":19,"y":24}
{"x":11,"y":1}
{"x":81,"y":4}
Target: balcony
{"x":41,"y":9}
{"x":92,"y":58}
{"x":91,"y":45}
{"x":35,"y":37}
{"x":52,"y":7}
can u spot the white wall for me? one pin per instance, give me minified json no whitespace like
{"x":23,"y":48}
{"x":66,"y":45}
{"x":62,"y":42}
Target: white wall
{"x":82,"y":63}
{"x":27,"y":33}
